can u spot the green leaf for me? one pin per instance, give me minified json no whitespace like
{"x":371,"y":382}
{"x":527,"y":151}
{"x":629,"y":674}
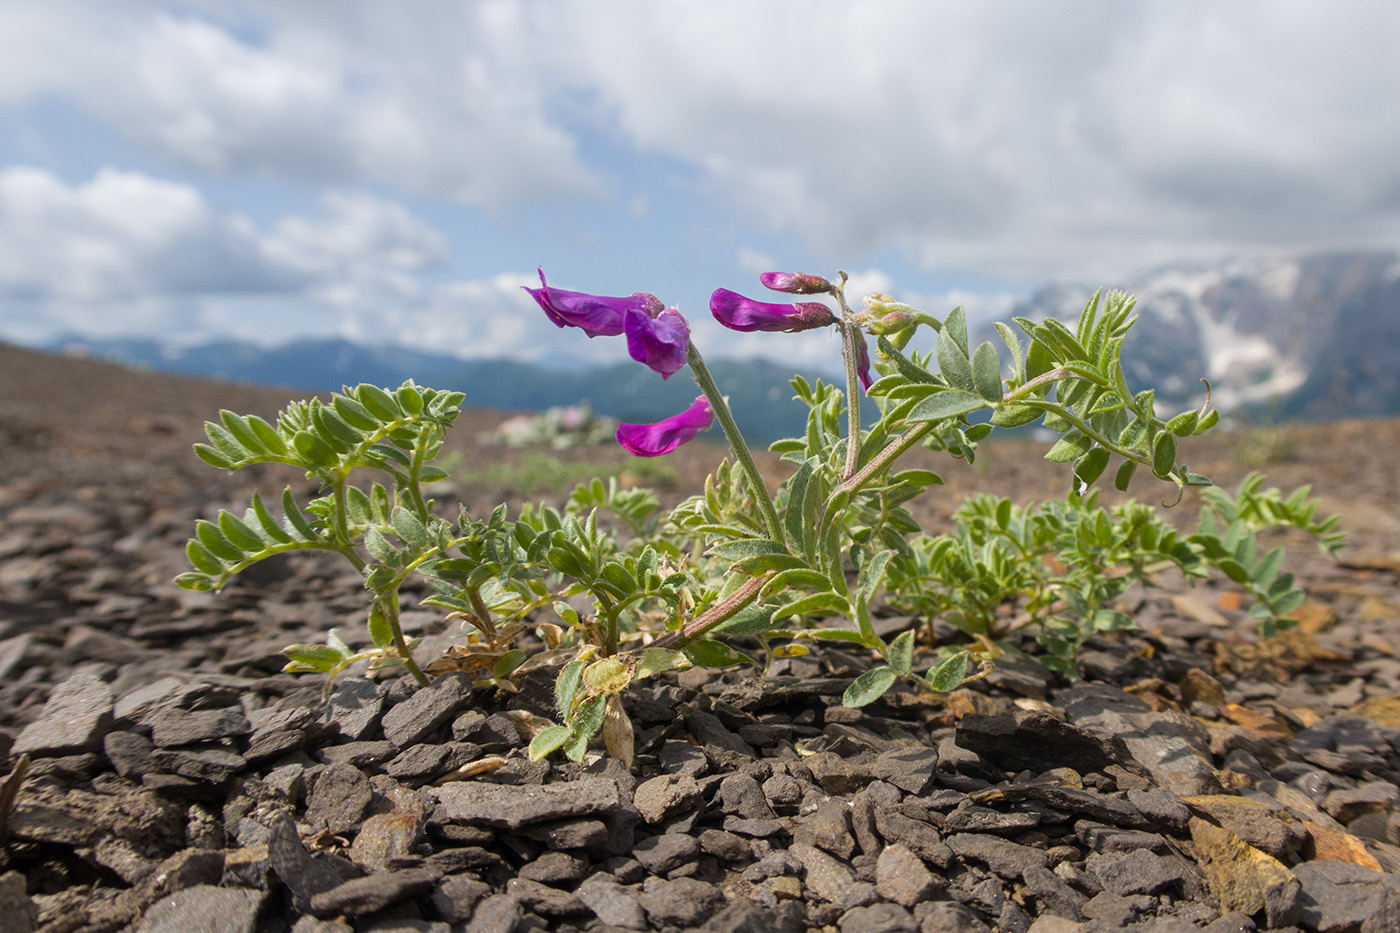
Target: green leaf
{"x":748,"y":547}
{"x":1164,"y":454}
{"x":902,"y":652}
{"x":1008,"y":337}
{"x":241,"y":431}
{"x":195,"y":581}
{"x":410,"y":399}
{"x":380,"y":631}
{"x":949,"y":674}
{"x":826,"y":603}
{"x":751,"y":620}
{"x":209,"y":535}
{"x":1070,"y":447}
{"x":1124,"y":476}
{"x":547,"y":740}
{"x":917,"y":478}
{"x":315,"y":657}
{"x":585,"y":724}
{"x":1089,"y":469}
{"x":267,"y":434}
{"x":764,"y":563}
{"x":869,"y":687}
{"x":268,"y":523}
{"x":239,"y":534}
{"x":201,"y":559}
{"x":378,"y":402}
{"x":379,"y":547}
{"x":507,"y":663}
{"x":1184,"y":424}
{"x":408,"y":527}
{"x":296,"y":522}
{"x":953,"y":361}
{"x":947,"y":404}
{"x":657,"y":660}
{"x":354,"y":414}
{"x":706,"y":652}
{"x":1013,"y":416}
{"x":566,"y":687}
{"x":314,"y":451}
{"x":986,"y":372}
{"x":607,"y":675}
{"x":212,"y":457}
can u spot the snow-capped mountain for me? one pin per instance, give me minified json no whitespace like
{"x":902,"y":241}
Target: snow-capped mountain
{"x":1315,"y":337}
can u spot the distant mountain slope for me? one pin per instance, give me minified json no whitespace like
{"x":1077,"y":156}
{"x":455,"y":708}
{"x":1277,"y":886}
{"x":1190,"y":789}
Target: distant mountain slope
{"x":1313,"y":337}
{"x":758,"y":390}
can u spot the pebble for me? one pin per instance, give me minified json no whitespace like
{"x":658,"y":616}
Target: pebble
{"x":75,"y":718}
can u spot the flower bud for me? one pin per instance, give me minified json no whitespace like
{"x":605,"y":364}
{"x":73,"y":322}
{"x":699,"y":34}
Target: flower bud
{"x":795,"y":283}
{"x":739,"y":313}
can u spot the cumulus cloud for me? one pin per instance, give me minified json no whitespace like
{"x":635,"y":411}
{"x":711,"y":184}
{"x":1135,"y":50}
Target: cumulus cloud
{"x":1017,"y":141}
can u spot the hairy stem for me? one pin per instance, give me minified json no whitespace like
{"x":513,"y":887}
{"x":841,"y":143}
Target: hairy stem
{"x":737,"y":445}
{"x":390,"y":606}
{"x":716,"y":615}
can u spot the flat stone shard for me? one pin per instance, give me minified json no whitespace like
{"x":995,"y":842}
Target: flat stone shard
{"x":1035,"y":740}
{"x":1172,"y":747}
{"x":205,"y":909}
{"x":427,"y":710}
{"x":1239,"y":875}
{"x":512,"y":807}
{"x":76,"y":717}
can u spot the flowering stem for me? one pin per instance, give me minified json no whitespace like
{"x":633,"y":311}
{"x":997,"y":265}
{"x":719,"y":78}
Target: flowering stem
{"x":850,"y":356}
{"x":742,"y":456}
{"x":720,"y":612}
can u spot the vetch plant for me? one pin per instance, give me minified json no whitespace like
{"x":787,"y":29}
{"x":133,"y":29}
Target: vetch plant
{"x":614,"y":591}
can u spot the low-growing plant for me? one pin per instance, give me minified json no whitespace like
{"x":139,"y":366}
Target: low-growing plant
{"x":617,"y":591}
{"x":537,"y":473}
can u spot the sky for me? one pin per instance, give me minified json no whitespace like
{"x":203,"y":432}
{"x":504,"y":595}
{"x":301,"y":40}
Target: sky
{"x":394,"y":172}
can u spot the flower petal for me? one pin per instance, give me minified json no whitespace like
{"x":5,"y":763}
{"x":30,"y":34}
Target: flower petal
{"x":659,"y":342}
{"x":795,"y":283}
{"x":739,"y":313}
{"x":595,"y":315}
{"x":654,"y":440}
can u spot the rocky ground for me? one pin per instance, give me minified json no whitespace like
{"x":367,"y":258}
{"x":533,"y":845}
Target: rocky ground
{"x":177,"y":781}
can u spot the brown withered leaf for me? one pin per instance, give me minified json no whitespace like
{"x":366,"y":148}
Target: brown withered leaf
{"x":618,"y":735}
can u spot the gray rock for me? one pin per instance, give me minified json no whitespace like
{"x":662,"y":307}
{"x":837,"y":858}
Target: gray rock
{"x":709,"y":731}
{"x":950,"y":917}
{"x":829,"y":827}
{"x":205,"y":909}
{"x":1347,"y":743}
{"x":683,"y":758}
{"x":667,"y":796}
{"x":15,"y":904}
{"x":612,"y":903}
{"x":878,"y":918}
{"x":360,"y":896}
{"x":512,"y":807}
{"x":1101,"y":838}
{"x":826,"y":877}
{"x":725,"y":846}
{"x":1114,"y":911}
{"x":970,"y":818}
{"x":75,"y":718}
{"x":922,"y":839}
{"x":1338,"y":895}
{"x":171,"y":727}
{"x":910,"y":769}
{"x":456,"y":897}
{"x":1053,"y":894}
{"x":495,"y":733}
{"x":427,"y":710}
{"x":838,"y":775}
{"x":556,"y":868}
{"x":211,"y":764}
{"x":1035,"y":740}
{"x":498,"y":913}
{"x":1161,"y":807}
{"x":741,"y":795}
{"x":1135,"y":872}
{"x":748,"y":917}
{"x":570,"y":834}
{"x":338,"y":799}
{"x":354,"y":709}
{"x":665,"y":853}
{"x":680,"y":902}
{"x":902,"y":877}
{"x":303,"y":874}
{"x":360,"y":754}
{"x":130,"y":753}
{"x":1172,"y":747}
{"x":1007,"y":859}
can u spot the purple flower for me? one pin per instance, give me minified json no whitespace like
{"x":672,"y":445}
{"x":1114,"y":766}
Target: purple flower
{"x":594,"y":315}
{"x":653,"y":440}
{"x":795,"y":283}
{"x":659,"y":342}
{"x":739,"y":313}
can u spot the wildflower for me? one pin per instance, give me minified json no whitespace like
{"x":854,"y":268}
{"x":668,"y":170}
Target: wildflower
{"x":660,"y":342}
{"x":653,"y":440}
{"x":596,"y":316}
{"x":795,"y":283}
{"x":862,"y":361}
{"x":739,"y":313}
